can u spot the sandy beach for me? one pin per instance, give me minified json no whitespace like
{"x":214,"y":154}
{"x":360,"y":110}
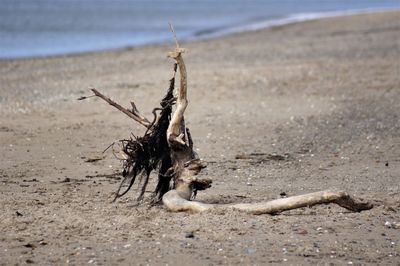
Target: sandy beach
{"x":322,"y":97}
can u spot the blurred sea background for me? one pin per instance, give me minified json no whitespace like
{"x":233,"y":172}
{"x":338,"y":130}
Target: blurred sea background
{"x":30,"y":28}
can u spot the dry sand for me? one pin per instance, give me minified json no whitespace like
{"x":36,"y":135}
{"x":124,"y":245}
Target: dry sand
{"x":323,"y":94}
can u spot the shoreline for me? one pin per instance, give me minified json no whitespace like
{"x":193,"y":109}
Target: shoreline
{"x":288,"y":20}
{"x":226,"y":32}
{"x":41,"y":95}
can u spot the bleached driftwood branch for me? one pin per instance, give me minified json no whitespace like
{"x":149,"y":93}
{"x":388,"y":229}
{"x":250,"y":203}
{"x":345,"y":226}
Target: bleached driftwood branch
{"x":176,"y":201}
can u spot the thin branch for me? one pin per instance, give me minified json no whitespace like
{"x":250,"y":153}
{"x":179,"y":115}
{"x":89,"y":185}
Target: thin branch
{"x":174,"y":34}
{"x":134,"y":114}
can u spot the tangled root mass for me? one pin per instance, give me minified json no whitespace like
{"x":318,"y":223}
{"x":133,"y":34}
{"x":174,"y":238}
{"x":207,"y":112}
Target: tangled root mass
{"x":150,"y":152}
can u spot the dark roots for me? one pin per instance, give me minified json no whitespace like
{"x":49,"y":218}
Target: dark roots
{"x":150,"y":152}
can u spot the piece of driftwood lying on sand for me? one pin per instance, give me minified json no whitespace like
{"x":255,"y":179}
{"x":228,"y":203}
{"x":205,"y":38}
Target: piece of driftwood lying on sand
{"x":177,"y":200}
{"x":167,"y":146}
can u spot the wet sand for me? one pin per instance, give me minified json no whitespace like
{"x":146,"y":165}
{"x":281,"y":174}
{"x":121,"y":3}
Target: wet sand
{"x":324,"y":94}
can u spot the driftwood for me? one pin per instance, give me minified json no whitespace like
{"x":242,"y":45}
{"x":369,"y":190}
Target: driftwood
{"x":176,"y":200}
{"x":134,"y":113}
{"x":168,"y":146}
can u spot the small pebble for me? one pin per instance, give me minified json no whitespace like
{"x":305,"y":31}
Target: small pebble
{"x":66,"y":180}
{"x":301,"y":232}
{"x":251,"y":250}
{"x":189,"y":235}
{"x":388,"y":224}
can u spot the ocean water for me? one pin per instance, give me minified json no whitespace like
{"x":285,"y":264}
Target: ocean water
{"x":30,"y":28}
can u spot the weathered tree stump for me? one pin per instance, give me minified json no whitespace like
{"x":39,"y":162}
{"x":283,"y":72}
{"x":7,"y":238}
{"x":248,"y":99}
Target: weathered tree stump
{"x":167,"y":146}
